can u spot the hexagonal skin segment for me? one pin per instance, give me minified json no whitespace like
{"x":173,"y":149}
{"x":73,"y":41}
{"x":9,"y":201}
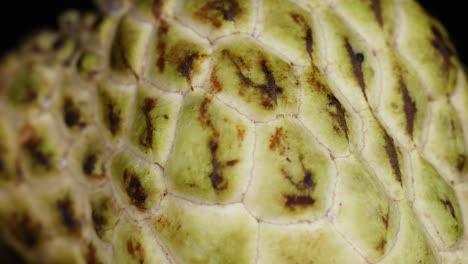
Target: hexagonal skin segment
{"x":104,"y":213}
{"x":8,"y":152}
{"x":214,"y":18}
{"x":30,"y":85}
{"x":445,"y":143}
{"x":288,"y":28}
{"x":64,"y":203}
{"x":114,"y":105}
{"x":128,"y":53}
{"x":411,"y":245}
{"x":74,"y":104}
{"x":380,"y":152}
{"x":429,"y":51}
{"x":298,"y":170}
{"x":88,"y":156}
{"x":436,"y":202}
{"x":304,"y":243}
{"x":141,"y":183}
{"x":42,"y":146}
{"x":180,"y":58}
{"x":211,"y":157}
{"x":21,"y":219}
{"x":323,"y":114}
{"x":154,"y":122}
{"x":364,"y":213}
{"x":134,"y":243}
{"x":253,"y":79}
{"x":206,"y":234}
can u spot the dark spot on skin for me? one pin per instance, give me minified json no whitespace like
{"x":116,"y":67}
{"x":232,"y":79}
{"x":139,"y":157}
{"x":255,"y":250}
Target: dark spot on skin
{"x":217,"y":180}
{"x":68,"y":216}
{"x":136,"y":251}
{"x":232,"y":163}
{"x":338,"y":114}
{"x":438,"y":42}
{"x":308,"y":39}
{"x":409,"y":108}
{"x":384,"y":219}
{"x":161,"y":46}
{"x":33,"y":146}
{"x":216,"y":12}
{"x":216,"y":85}
{"x":449,"y":206}
{"x":146,"y":139}
{"x":25,"y":229}
{"x":166,"y":117}
{"x":185,"y":68}
{"x":269,"y":91}
{"x":91,"y":256}
{"x":89,"y":164}
{"x":114,"y":118}
{"x":381,"y":245}
{"x":156,"y":8}
{"x":461,"y":159}
{"x":293,"y":201}
{"x":98,"y":215}
{"x":134,"y":189}
{"x":72,"y":116}
{"x":305,"y":184}
{"x":392,"y":155}
{"x":377,"y":9}
{"x":356,"y":60}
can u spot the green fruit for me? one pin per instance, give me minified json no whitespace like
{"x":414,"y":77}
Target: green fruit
{"x":236,"y":131}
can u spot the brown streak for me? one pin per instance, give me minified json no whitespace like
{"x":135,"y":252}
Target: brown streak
{"x":392,"y":155}
{"x":377,"y":8}
{"x":356,"y":60}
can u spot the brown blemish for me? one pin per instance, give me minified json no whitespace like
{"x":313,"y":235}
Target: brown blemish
{"x":356,"y":60}
{"x":216,"y":85}
{"x":216,"y":12}
{"x":293,"y":201}
{"x":384,"y":219}
{"x":381,"y":245}
{"x":156,"y":8}
{"x":439,"y":43}
{"x":68,"y":216}
{"x":185,"y":68}
{"x":232,"y":163}
{"x":240,"y":133}
{"x":392,"y":155}
{"x":24,"y":229}
{"x":377,"y":9}
{"x":305,"y":184}
{"x":98,"y":215}
{"x":71,"y":114}
{"x":409,"y":108}
{"x":269,"y":91}
{"x":161,"y":46}
{"x":89,"y":164}
{"x":146,"y":138}
{"x":339,"y":114}
{"x":32,"y":144}
{"x":134,"y":189}
{"x":218,"y":182}
{"x":114,"y":118}
{"x":449,"y":206}
{"x":91,"y":255}
{"x":166,"y":116}
{"x":461,"y":159}
{"x":277,"y":138}
{"x":135,"y":250}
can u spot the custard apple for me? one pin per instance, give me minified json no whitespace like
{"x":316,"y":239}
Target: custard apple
{"x":236,"y":131}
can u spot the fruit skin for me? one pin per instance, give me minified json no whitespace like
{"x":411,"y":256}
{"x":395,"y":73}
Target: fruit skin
{"x":236,"y":132}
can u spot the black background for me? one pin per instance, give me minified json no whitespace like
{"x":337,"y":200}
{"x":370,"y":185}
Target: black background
{"x":19,"y":17}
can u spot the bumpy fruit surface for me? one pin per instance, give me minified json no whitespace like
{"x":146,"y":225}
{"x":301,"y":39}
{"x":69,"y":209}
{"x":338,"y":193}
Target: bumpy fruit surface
{"x":236,"y":131}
